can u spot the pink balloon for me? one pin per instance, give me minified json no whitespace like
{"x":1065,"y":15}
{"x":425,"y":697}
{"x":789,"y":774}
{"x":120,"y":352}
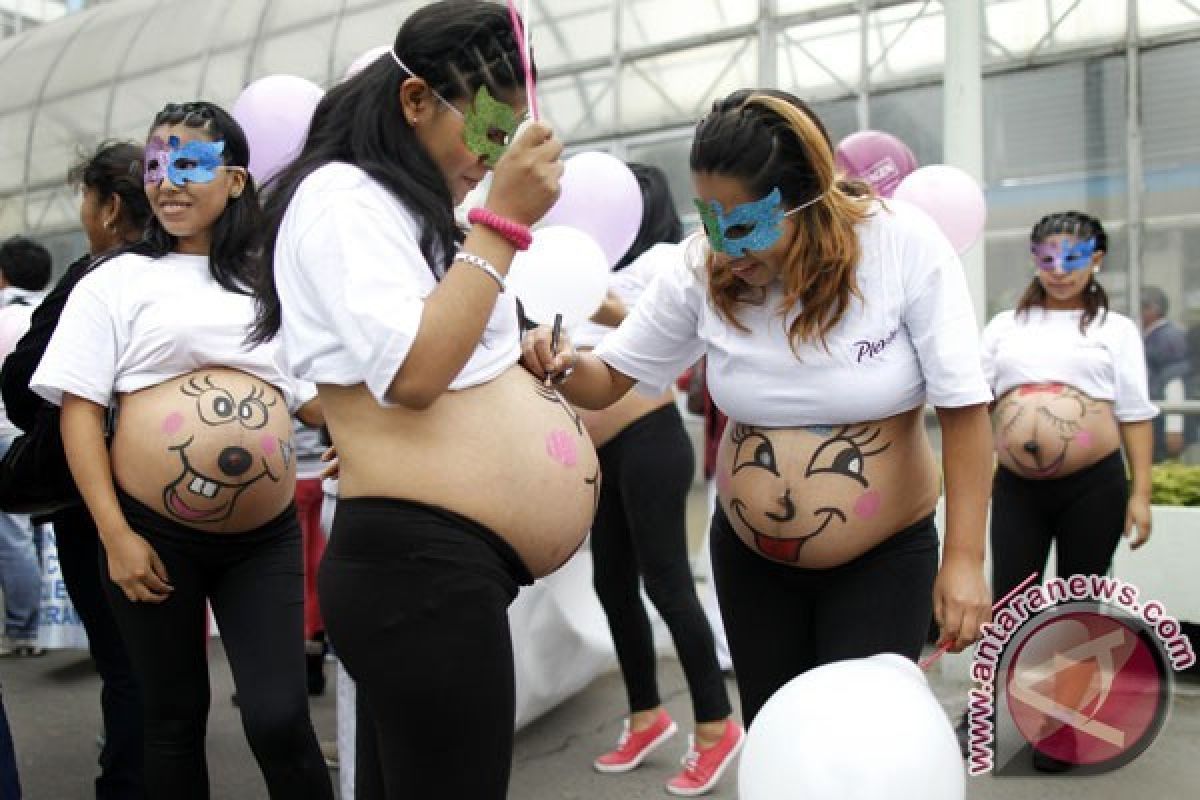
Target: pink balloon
{"x":275,"y":113}
{"x":600,"y":197}
{"x":952,"y":198}
{"x":365,"y":60}
{"x":876,"y":157}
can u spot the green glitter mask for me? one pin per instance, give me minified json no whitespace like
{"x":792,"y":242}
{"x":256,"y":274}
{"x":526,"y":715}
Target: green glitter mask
{"x":489,"y":127}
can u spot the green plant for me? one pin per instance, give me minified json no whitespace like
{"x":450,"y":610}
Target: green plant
{"x":1175,"y":484}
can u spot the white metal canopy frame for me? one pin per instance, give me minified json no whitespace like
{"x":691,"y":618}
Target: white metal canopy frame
{"x":628,"y":75}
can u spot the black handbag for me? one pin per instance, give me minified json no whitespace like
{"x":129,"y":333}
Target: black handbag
{"x":34,"y":476}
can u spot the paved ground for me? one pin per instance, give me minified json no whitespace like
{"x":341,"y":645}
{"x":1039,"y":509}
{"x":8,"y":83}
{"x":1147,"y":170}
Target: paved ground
{"x":52,"y":704}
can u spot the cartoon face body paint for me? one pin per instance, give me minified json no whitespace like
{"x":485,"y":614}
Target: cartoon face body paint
{"x":210,"y":483}
{"x":1066,"y":255}
{"x":843,"y":454}
{"x":194,"y":162}
{"x":1040,"y":425}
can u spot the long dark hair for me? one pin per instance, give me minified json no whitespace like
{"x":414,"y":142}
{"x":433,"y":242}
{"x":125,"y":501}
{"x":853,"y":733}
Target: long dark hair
{"x":768,"y":138}
{"x":115,"y":169}
{"x":455,"y":46}
{"x":660,"y":220}
{"x":232,"y":255}
{"x":1082,"y":226}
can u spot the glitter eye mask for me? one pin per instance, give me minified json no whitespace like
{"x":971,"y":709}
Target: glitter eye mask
{"x":194,"y":162}
{"x":1070,"y":257}
{"x":748,"y":226}
{"x":488,"y":124}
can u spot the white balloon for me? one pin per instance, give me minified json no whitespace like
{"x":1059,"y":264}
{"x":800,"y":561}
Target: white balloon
{"x":563,"y":272}
{"x":868,"y":729}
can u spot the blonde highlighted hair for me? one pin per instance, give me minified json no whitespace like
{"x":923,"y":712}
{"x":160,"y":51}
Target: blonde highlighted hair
{"x":766,"y":139}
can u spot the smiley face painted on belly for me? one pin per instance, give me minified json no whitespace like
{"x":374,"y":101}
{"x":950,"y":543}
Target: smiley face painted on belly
{"x":786,"y":497}
{"x":226,"y":444}
{"x":1042,"y":428}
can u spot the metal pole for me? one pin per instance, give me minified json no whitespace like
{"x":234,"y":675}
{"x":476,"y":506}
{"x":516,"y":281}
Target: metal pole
{"x":864,"y":65}
{"x":962,"y":123}
{"x":1133,"y":157}
{"x":617,"y":62}
{"x":768,"y":58}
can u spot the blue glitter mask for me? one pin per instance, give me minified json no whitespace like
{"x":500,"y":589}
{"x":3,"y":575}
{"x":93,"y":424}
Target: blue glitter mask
{"x":749,"y":226}
{"x":194,"y":162}
{"x":1070,"y":257}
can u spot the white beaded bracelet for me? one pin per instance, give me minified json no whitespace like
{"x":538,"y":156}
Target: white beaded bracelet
{"x":483,"y":264}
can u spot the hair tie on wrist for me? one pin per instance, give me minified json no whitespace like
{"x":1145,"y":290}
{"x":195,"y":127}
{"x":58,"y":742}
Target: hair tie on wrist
{"x":518,"y":235}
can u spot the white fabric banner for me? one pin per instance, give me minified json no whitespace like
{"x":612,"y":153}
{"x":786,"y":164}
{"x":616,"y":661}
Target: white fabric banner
{"x":59,"y":627}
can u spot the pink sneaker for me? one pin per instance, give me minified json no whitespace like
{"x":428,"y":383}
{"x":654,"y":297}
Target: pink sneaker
{"x":703,"y":768}
{"x":632,"y":748}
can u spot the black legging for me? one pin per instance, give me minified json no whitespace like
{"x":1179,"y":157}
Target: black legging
{"x":782,"y":621}
{"x":640,"y":531}
{"x":120,"y":698}
{"x":254,"y":582}
{"x":415,"y":601}
{"x":1083,"y":513}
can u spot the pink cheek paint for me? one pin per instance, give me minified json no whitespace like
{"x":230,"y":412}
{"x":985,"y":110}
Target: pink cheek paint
{"x":1083,"y":439}
{"x":561,"y":447}
{"x":269,"y":444}
{"x":173,"y":423}
{"x":867,"y":505}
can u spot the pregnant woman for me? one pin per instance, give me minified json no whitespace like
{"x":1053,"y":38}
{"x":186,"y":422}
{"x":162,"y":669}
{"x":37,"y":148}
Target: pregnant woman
{"x":1070,"y":380}
{"x":461,"y":476}
{"x":828,"y":321}
{"x":193,"y":502}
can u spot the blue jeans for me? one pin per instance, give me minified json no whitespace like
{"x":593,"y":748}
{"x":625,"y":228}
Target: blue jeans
{"x":20,"y":572}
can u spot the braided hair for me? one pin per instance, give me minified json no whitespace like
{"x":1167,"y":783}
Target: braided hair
{"x":456,"y":46}
{"x":1083,"y":227}
{"x":233,"y":255}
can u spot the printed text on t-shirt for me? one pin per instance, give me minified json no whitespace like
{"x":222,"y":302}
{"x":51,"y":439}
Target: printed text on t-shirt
{"x":871,"y":348}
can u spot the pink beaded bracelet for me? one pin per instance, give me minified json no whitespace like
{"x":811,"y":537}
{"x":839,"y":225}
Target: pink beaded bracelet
{"x":518,"y":235}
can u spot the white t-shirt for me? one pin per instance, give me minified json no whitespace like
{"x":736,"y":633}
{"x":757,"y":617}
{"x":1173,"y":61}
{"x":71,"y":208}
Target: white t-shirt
{"x":1106,"y":363}
{"x":353,"y":281}
{"x":628,"y":284}
{"x":136,"y":321}
{"x":910,"y":339}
